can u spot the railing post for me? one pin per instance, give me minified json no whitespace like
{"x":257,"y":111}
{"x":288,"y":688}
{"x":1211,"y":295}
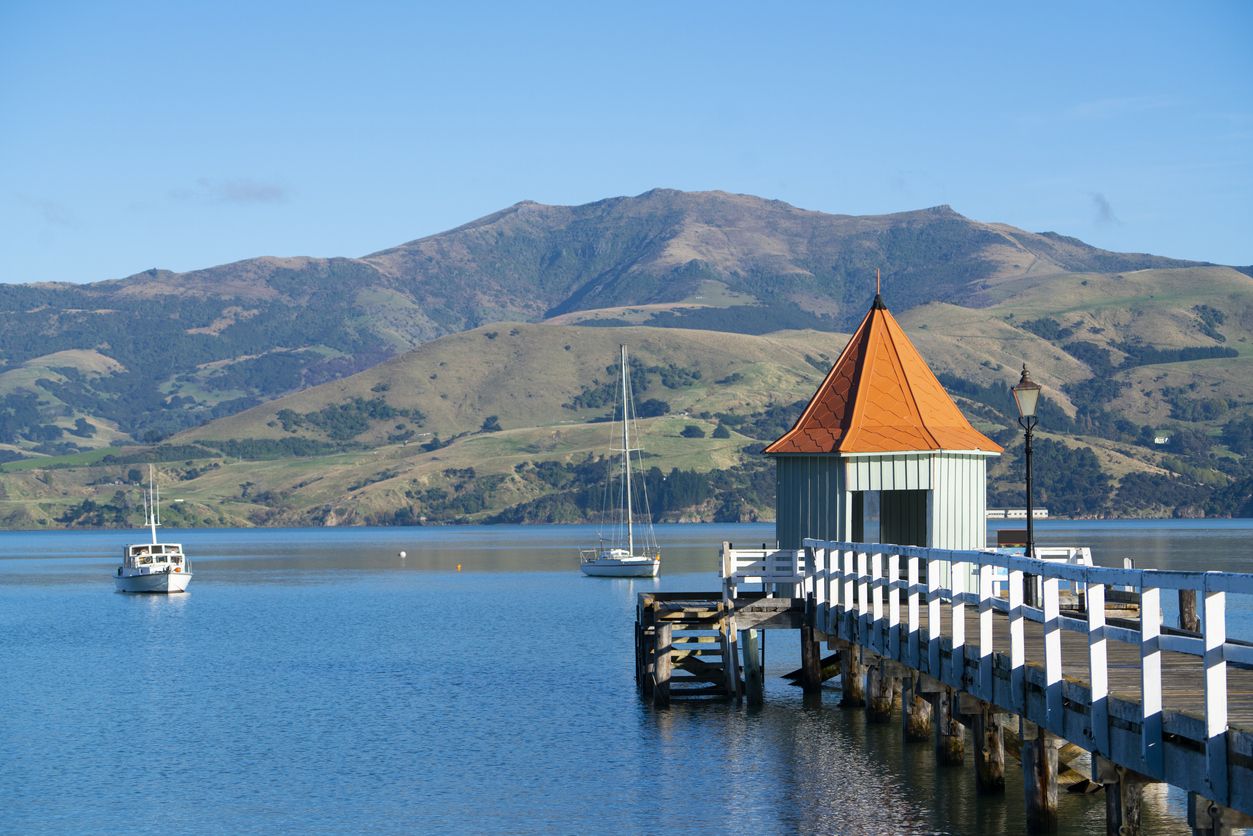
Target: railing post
{"x":1098,"y":667}
{"x":894,"y":606}
{"x":863,"y":597}
{"x":877,"y":637}
{"x":957,"y":580}
{"x":849,"y":597}
{"x":1054,"y":719}
{"x":835,"y":571}
{"x":911,"y":578}
{"x":986,"y":686}
{"x":809,"y":582}
{"x":1151,"y":680}
{"x":1017,"y":645}
{"x":1215,"y":636}
{"x":933,"y":615}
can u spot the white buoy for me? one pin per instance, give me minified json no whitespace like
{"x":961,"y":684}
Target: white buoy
{"x":403,"y":555}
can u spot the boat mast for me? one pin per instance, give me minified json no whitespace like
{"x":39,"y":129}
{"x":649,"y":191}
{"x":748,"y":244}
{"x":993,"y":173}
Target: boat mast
{"x":626,"y":451}
{"x":152,"y":502}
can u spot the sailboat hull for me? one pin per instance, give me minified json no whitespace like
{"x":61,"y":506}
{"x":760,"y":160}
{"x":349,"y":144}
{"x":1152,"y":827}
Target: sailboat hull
{"x":607,"y":567}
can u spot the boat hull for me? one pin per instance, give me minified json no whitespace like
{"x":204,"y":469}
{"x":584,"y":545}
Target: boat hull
{"x":614,"y":568}
{"x":157,"y":582}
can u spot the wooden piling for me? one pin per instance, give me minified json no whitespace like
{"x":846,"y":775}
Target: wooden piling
{"x":811,"y":660}
{"x":989,"y":740}
{"x":648,"y":655}
{"x":1206,"y":818}
{"x":950,"y":740}
{"x":916,"y":709}
{"x":852,"y":676}
{"x":881,"y":688}
{"x":1124,"y":790}
{"x":1039,"y":775}
{"x":661,"y":666}
{"x":754,"y":677}
{"x":730,"y":656}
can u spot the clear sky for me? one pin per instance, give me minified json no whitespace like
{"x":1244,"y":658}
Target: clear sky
{"x":183,"y":135}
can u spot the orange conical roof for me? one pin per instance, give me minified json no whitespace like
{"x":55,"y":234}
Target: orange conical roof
{"x":881,"y":397}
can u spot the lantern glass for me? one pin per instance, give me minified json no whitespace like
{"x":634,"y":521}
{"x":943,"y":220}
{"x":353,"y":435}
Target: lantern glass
{"x":1026,"y":395}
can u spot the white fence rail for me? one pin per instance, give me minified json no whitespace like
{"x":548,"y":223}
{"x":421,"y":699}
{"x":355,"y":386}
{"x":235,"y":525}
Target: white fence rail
{"x":874,"y":594}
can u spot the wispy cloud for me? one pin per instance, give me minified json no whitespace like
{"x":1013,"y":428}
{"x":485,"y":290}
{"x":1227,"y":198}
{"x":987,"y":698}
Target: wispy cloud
{"x":53,"y":213}
{"x":1104,"y":211}
{"x":240,"y":191}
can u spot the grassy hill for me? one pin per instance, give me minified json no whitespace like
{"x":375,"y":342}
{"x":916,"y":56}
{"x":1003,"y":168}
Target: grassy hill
{"x":505,"y":422}
{"x":182,"y":349}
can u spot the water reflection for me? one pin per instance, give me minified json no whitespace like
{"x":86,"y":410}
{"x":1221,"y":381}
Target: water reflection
{"x":319,"y":682}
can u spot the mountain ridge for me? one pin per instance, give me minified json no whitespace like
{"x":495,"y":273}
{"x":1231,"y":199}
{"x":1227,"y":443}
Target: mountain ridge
{"x":201,"y":344}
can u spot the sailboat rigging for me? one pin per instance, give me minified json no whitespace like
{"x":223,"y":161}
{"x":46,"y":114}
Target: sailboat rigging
{"x":618,"y":553}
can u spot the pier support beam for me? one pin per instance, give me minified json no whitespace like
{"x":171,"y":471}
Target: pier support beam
{"x":648,"y":661}
{"x":661,"y":666}
{"x":882,"y":686}
{"x":916,"y":710}
{"x":811,"y":660}
{"x":950,"y":739}
{"x":1039,"y":775}
{"x":852,"y":676}
{"x":989,"y":740}
{"x":1123,"y":791}
{"x":754,"y":677}
{"x":729,"y":639}
{"x":1207,"y":818}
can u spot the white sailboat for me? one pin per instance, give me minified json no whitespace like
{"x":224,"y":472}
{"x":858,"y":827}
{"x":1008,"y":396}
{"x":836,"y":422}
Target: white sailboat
{"x":153,"y":567}
{"x":620,"y":554}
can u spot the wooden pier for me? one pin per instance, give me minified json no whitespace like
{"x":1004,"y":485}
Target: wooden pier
{"x":1150,"y":702}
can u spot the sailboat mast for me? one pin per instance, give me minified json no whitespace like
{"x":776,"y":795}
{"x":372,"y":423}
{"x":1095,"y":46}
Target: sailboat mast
{"x":626,"y":451}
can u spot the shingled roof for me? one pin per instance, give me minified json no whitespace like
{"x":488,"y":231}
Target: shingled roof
{"x":881,"y":397}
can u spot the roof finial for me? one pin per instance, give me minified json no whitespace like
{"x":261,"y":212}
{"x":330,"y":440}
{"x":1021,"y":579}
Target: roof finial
{"x":878,"y":300}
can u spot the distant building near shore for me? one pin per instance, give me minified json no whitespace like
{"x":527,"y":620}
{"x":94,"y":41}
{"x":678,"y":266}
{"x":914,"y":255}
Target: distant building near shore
{"x":1017,"y":513}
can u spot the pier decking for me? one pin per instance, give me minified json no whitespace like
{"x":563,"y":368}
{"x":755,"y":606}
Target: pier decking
{"x":1150,"y":702}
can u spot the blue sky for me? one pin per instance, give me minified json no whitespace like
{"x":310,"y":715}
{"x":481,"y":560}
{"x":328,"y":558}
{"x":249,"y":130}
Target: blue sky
{"x":183,"y":135}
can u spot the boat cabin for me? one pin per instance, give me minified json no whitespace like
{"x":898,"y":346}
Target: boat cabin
{"x":150,"y":554}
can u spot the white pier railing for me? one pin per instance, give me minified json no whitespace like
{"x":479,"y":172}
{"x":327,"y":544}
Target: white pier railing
{"x":1106,"y":696}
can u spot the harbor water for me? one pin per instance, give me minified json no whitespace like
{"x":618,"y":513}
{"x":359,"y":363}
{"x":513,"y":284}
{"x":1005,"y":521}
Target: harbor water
{"x":314,"y":681}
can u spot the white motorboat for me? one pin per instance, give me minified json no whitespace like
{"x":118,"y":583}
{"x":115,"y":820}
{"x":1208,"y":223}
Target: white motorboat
{"x":153,"y":567}
{"x":620,"y":554}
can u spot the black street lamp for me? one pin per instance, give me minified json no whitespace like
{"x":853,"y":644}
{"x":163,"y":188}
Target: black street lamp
{"x":1026,"y":396}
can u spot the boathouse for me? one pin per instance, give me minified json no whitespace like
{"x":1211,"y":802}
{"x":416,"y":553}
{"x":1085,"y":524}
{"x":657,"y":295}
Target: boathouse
{"x":882,"y":422}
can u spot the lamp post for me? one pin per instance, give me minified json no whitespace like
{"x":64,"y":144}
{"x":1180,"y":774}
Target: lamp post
{"x":1026,"y":396}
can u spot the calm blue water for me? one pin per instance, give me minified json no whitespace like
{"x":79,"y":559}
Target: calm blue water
{"x":312,"y":681}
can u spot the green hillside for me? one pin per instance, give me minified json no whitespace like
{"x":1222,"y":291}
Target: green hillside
{"x":177,"y":350}
{"x":505,"y":422}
